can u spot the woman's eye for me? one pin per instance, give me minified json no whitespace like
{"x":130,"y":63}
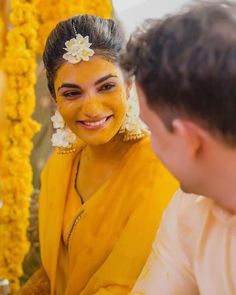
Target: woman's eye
{"x":71,"y":94}
{"x":107,"y":87}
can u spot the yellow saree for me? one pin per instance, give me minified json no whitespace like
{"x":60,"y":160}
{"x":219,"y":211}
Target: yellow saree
{"x":111,"y":239}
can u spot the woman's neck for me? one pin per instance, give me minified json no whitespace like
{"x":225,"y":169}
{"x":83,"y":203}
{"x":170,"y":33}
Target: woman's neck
{"x":112,"y":151}
{"x":98,"y":164}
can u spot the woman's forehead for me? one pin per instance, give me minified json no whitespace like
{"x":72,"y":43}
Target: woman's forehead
{"x":87,"y":71}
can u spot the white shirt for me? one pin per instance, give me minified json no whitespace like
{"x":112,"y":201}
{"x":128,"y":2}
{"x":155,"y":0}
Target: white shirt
{"x":194,"y":252}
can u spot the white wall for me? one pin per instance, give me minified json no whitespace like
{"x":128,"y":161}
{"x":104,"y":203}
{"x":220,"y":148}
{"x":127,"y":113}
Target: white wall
{"x":133,"y":12}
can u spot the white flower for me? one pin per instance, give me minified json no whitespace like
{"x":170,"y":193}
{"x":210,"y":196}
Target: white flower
{"x":63,"y":138}
{"x":83,"y":41}
{"x":70,"y":137}
{"x":78,"y":49}
{"x":73,"y":59}
{"x":132,"y":122}
{"x":72,"y":46}
{"x":86,"y":53}
{"x":58,"y":121}
{"x":133,"y":109}
{"x":58,"y":138}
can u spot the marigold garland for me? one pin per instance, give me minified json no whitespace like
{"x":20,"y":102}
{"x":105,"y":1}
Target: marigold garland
{"x":50,"y":12}
{"x":2,"y":43}
{"x":1,"y":34}
{"x":20,"y":67}
{"x":101,"y":8}
{"x":2,"y":27}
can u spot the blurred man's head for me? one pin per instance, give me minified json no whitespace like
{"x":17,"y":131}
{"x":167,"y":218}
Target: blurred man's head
{"x":185,"y":69}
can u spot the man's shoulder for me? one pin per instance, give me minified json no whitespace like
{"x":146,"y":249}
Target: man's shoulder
{"x":184,"y":202}
{"x":184,"y":221}
{"x":189,"y":210}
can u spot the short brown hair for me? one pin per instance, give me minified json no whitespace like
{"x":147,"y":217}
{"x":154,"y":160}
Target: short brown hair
{"x":186,"y":65}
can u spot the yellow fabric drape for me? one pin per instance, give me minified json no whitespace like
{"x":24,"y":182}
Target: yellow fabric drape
{"x":112,"y":240}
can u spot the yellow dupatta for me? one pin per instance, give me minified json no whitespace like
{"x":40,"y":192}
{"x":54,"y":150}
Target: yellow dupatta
{"x":112,"y":240}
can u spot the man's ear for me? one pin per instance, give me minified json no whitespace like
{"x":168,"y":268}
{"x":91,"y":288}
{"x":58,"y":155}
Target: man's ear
{"x":191,"y":135}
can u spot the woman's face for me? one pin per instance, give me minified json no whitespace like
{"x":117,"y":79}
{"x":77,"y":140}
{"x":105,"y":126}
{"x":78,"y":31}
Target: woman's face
{"x":92,"y":98}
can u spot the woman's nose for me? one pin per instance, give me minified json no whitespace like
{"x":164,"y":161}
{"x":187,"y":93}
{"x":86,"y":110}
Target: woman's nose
{"x":92,"y":109}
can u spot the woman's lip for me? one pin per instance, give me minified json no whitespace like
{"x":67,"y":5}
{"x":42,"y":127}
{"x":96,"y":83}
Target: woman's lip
{"x":94,"y":124}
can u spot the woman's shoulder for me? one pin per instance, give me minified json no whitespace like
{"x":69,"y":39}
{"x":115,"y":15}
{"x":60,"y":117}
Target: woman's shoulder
{"x":141,"y":154}
{"x":149,"y":177}
{"x":60,"y":161}
{"x":147,"y":161}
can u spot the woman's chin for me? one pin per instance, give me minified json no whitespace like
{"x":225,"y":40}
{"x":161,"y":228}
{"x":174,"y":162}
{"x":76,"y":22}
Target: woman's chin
{"x":96,"y":141}
{"x":98,"y":137}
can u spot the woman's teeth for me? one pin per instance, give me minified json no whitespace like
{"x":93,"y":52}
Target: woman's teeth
{"x":95,"y":123}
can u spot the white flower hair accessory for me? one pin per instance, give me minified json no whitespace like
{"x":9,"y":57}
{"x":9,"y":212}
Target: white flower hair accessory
{"x":78,"y":49}
{"x":133,"y":127}
{"x":64,"y":137}
{"x":58,"y":121}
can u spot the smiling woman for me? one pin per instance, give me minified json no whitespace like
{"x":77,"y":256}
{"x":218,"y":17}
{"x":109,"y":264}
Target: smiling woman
{"x":92,"y":98}
{"x":101,"y":204}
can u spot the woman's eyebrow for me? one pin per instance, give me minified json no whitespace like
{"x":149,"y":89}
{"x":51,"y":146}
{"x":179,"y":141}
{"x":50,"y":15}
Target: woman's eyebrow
{"x":69,"y":85}
{"x":105,"y":78}
{"x":76,"y":86}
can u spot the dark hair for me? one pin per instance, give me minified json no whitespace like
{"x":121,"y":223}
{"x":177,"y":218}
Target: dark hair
{"x":107,"y":38}
{"x":186,"y":66}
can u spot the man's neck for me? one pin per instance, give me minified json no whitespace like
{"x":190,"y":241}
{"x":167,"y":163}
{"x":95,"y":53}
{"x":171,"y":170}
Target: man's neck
{"x":220,"y":181}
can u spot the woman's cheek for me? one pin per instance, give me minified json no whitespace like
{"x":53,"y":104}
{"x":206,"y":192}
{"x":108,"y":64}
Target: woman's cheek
{"x":66,"y":109}
{"x":118,"y":104}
